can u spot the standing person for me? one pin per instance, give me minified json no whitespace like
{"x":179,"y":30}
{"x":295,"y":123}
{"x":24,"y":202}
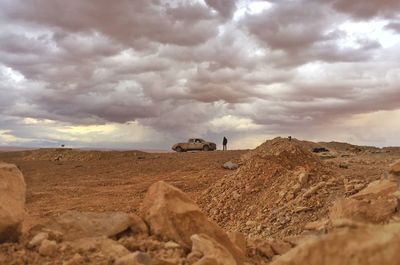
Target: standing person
{"x":224,"y":143}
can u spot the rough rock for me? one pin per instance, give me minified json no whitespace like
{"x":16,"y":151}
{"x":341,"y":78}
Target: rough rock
{"x":137,"y":258}
{"x":37,"y":239}
{"x":238,"y":239}
{"x":75,"y":225}
{"x":299,"y":239}
{"x":230,"y":165}
{"x":259,"y":248}
{"x":368,"y":245}
{"x":375,"y":211}
{"x":171,"y":214}
{"x":377,"y":189}
{"x":104,"y":245}
{"x":319,"y":225}
{"x":12,"y":202}
{"x":48,"y":248}
{"x":303,"y":178}
{"x":77,"y":259}
{"x":213,"y":252}
{"x":171,"y":244}
{"x":278,"y":246}
{"x":376,"y":203}
{"x":313,"y":189}
{"x":138,"y":226}
{"x":395,"y":168}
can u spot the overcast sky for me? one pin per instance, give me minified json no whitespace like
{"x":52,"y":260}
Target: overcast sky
{"x":148,"y":73}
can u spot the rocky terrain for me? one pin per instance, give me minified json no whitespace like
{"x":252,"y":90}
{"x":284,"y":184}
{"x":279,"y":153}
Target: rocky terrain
{"x":277,"y":204}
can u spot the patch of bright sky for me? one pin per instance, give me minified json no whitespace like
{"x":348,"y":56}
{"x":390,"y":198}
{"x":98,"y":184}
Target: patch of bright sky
{"x":375,"y":128}
{"x":374,"y":30}
{"x":33,"y":121}
{"x":11,"y":74}
{"x":7,"y":138}
{"x":107,"y":128}
{"x":311,"y":71}
{"x":230,"y":122}
{"x":250,"y":7}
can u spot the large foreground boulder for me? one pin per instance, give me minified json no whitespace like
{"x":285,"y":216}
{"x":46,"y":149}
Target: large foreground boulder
{"x":172,"y":215}
{"x":75,"y":225}
{"x":367,"y":245}
{"x":12,"y":202}
{"x":374,"y":211}
{"x":376,"y":203}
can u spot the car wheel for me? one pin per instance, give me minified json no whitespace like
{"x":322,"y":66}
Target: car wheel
{"x":179,"y":149}
{"x":206,"y":148}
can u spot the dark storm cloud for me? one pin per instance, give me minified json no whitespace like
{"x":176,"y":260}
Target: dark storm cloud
{"x":225,"y":7}
{"x":126,"y":21}
{"x":305,"y":31}
{"x":289,"y":26}
{"x":394,"y":26}
{"x":177,"y":65}
{"x":366,"y":9}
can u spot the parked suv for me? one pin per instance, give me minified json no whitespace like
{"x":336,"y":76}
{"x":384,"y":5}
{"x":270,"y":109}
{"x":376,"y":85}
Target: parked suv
{"x":194,"y":144}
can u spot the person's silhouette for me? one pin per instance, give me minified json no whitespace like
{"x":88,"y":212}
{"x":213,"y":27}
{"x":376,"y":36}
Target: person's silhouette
{"x":224,"y":143}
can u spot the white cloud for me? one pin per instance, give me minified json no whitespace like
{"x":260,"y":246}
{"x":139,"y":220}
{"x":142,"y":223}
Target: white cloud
{"x":233,"y":124}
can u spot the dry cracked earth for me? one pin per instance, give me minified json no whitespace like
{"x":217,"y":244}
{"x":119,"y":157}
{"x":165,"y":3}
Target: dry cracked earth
{"x":284,"y":204}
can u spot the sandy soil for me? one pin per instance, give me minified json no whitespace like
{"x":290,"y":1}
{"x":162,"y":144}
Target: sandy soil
{"x":114,"y":181}
{"x":60,"y":180}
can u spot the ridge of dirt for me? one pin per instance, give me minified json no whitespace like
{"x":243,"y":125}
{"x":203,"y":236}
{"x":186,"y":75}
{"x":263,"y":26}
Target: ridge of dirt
{"x":279,"y":187}
{"x":69,"y":154}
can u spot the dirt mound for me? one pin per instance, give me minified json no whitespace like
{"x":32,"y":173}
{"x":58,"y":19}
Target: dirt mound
{"x":68,"y":154}
{"x":279,"y":187}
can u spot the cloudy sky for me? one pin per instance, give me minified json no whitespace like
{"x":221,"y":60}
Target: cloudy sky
{"x":148,"y":73}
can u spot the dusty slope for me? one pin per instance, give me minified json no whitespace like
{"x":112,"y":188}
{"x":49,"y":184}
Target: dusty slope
{"x":281,"y":186}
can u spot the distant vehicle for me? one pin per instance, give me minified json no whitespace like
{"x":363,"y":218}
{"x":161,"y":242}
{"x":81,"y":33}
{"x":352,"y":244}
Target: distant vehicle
{"x":320,"y":150}
{"x":194,"y":144}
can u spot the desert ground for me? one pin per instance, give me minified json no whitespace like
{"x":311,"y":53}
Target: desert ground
{"x":64,"y":179}
{"x":281,"y":191}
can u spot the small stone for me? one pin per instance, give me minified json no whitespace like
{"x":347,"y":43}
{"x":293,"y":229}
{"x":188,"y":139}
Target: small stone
{"x":230,"y":165}
{"x":303,"y":178}
{"x":137,"y":258}
{"x":48,"y":248}
{"x":296,"y":188}
{"x":77,"y":259}
{"x":250,"y":223}
{"x":37,"y":240}
{"x":171,"y":244}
